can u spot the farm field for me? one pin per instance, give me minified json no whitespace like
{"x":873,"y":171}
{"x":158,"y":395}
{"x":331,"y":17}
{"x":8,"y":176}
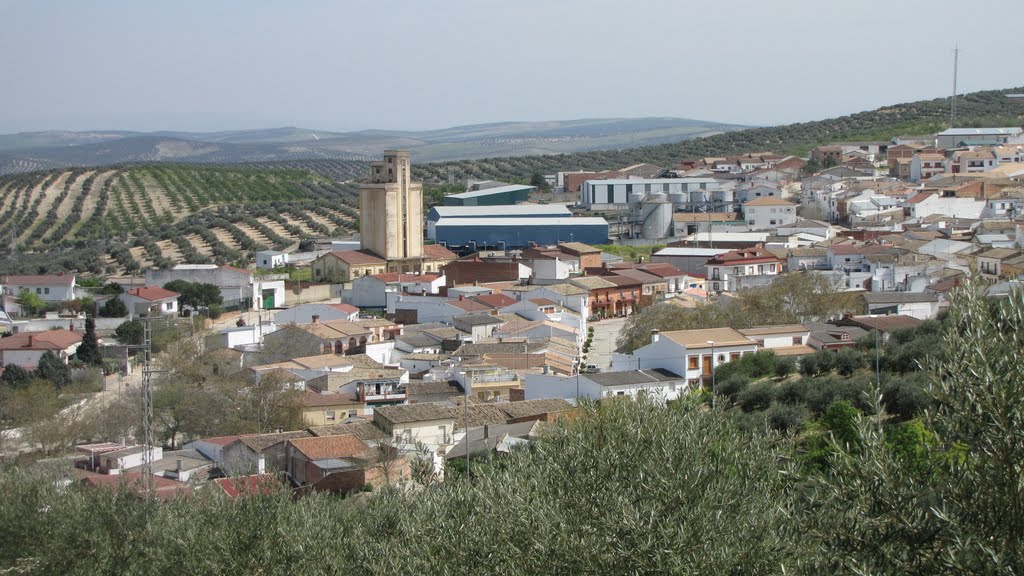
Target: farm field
{"x":122,"y":219}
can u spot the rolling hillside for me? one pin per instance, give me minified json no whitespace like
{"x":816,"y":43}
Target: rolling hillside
{"x":48,"y":150}
{"x":121,"y":219}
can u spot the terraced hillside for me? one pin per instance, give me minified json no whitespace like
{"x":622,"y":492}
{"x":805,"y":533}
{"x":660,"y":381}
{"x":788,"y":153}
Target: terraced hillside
{"x":121,"y":219}
{"x":989,"y":108}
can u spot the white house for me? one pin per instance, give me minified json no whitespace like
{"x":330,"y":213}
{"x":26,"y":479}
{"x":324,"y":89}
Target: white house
{"x":25,"y":349}
{"x":270,"y":259}
{"x":239,"y":337}
{"x":946,"y":203}
{"x":769,"y":212}
{"x":237,"y":286}
{"x":737,"y":268}
{"x":304,"y":313}
{"x":49,"y":287}
{"x":657,"y":383}
{"x":371,"y":291}
{"x":693,"y":354}
{"x":920,"y":305}
{"x":428,"y":422}
{"x":149,"y":301}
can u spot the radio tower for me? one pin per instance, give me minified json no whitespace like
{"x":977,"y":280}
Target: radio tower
{"x":952,"y":106}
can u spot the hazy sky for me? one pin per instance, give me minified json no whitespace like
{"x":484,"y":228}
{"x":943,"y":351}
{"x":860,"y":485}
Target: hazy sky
{"x":416,"y":64}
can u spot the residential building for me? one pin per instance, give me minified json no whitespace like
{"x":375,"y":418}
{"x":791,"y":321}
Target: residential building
{"x":48,"y":287}
{"x":344,"y":265}
{"x":656,"y":383}
{"x":26,"y":348}
{"x":926,"y":165}
{"x":270,"y":259}
{"x":238,"y":287}
{"x":304,"y":313}
{"x":692,"y":354}
{"x":310,"y":460}
{"x":991,"y":262}
{"x":920,"y":305}
{"x":258,"y":453}
{"x":736,"y":269}
{"x":769,"y":212}
{"x":150,"y":301}
{"x":371,"y":291}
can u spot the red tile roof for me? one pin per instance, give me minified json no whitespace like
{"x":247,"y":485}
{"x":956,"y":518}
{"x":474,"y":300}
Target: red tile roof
{"x":163,"y":488}
{"x":324,"y":447}
{"x":261,"y":484}
{"x":470,"y":305}
{"x":769,"y":201}
{"x":495,"y":300}
{"x":346,"y":308}
{"x":47,"y":340}
{"x":152,"y":293}
{"x":357,"y":257}
{"x":438,"y":252}
{"x":918,"y":198}
{"x":743,"y":256}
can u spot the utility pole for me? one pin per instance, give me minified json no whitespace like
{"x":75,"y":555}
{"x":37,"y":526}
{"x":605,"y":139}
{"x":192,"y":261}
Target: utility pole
{"x":952,"y":106}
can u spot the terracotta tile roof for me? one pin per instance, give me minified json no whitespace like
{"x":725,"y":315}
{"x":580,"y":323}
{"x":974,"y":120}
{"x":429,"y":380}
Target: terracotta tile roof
{"x":262,"y":484}
{"x":743,"y":256}
{"x":152,"y":293}
{"x":470,"y":305}
{"x":578,"y":248}
{"x":346,"y":308}
{"x":361,"y":430}
{"x":224,"y":440}
{"x":357,"y":257}
{"x":260,"y":442}
{"x":592,"y":283}
{"x":324,"y":447}
{"x":884,"y":323}
{"x":527,"y":408}
{"x":495,"y":300}
{"x":38,"y":279}
{"x":312,"y":399}
{"x":163,"y":488}
{"x":438,"y":252}
{"x":47,"y":340}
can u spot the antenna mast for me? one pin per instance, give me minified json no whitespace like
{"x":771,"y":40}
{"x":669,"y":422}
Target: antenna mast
{"x":952,"y":106}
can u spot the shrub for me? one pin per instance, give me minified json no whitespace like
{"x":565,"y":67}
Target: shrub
{"x":784,"y":366}
{"x":786,"y":418}
{"x":848,"y":361}
{"x":757,"y":396}
{"x":841,"y":419}
{"x":731,"y":386}
{"x":906,"y":397}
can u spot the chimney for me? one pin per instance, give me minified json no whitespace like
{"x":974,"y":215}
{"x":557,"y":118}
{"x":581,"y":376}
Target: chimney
{"x":546,"y":369}
{"x":316,"y":318}
{"x":71,"y":325}
{"x":177,"y":465}
{"x":655,"y":335}
{"x":462,"y":296}
{"x":487,"y":432}
{"x":31,"y":340}
{"x":121,"y":440}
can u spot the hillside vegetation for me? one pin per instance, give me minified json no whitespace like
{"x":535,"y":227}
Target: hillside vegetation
{"x":624,"y":488}
{"x":121,"y":219}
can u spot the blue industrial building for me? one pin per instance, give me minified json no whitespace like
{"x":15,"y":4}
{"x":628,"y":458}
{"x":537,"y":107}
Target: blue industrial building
{"x":439,"y":213}
{"x":519,"y":232}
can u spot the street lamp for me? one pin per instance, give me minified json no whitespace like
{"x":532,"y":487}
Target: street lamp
{"x":713,"y":392}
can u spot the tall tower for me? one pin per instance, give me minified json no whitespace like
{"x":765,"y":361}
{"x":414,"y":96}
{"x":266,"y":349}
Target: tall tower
{"x":391,"y":212}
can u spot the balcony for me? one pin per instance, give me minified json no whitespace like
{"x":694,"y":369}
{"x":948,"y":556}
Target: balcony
{"x":389,"y":397}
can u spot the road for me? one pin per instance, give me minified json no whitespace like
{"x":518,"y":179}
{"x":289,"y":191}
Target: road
{"x":605,"y":334}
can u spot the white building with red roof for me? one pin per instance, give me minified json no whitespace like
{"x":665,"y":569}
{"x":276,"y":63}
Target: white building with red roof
{"x":744,"y":267}
{"x":769,"y":212}
{"x":150,"y":301}
{"x":25,"y":349}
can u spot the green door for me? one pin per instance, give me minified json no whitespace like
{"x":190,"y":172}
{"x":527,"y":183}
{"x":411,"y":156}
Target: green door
{"x":268,"y":299}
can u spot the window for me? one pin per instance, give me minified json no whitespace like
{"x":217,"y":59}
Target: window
{"x":169,"y":305}
{"x":692,"y":362}
{"x":797,"y":340}
{"x":329,"y":415}
{"x":46,"y":290}
{"x":39,"y":290}
{"x":771,"y":267}
{"x":620,"y":393}
{"x":352,"y":413}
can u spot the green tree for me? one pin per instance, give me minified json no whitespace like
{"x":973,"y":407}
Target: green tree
{"x":30,"y":301}
{"x":537,"y":179}
{"x":54,"y":370}
{"x":129,"y":333}
{"x":113,"y":308}
{"x":15,"y":376}
{"x":89,"y":349}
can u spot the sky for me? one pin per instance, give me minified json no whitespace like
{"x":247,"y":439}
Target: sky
{"x":197,"y":65}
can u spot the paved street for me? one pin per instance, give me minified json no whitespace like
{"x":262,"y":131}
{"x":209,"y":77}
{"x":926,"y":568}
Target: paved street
{"x":605,"y":334}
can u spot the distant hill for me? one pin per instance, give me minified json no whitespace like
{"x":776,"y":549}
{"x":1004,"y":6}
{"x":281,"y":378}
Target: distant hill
{"x":26,"y":152}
